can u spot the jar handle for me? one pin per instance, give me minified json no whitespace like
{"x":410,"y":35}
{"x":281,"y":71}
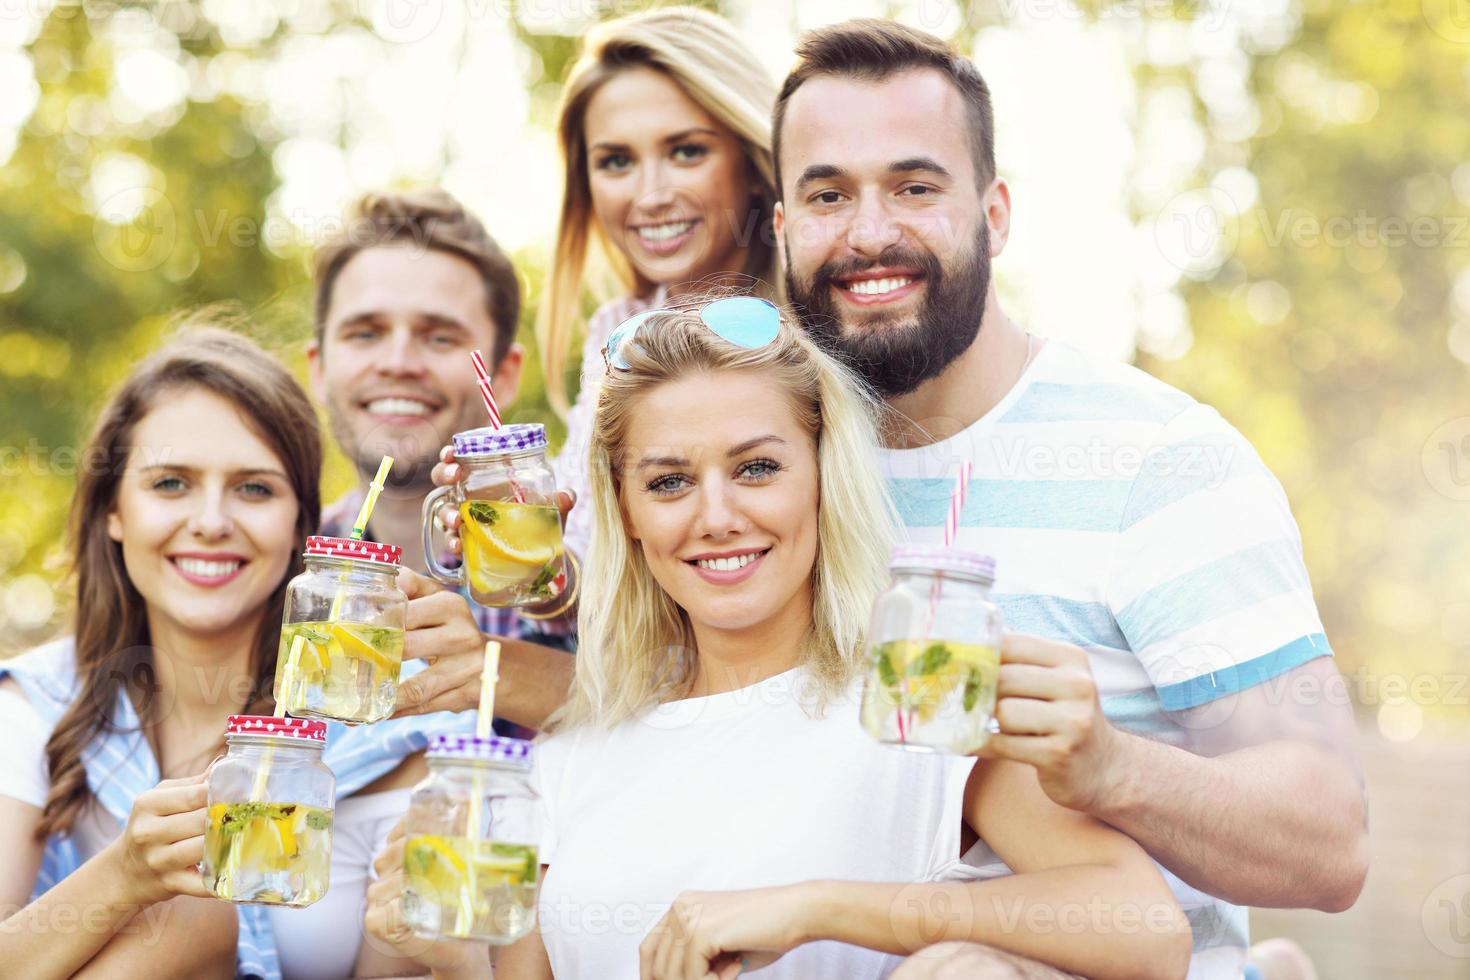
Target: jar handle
{"x":449,"y":576}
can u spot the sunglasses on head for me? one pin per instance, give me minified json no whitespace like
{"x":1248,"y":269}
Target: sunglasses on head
{"x":745,"y":321}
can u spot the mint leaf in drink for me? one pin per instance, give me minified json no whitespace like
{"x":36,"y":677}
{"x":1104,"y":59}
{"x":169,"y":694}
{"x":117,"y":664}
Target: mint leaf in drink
{"x":483,"y":512}
{"x":318,"y":819}
{"x":972,"y":690}
{"x":935,"y":657}
{"x":524,"y":851}
{"x":886,"y":674}
{"x":541,"y":588}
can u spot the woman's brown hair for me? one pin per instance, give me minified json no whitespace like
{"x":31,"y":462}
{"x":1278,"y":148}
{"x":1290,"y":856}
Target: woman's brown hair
{"x":112,"y":638}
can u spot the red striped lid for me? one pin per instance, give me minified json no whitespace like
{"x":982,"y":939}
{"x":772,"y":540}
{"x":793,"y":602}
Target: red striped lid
{"x":304,"y":729}
{"x":319,"y":545}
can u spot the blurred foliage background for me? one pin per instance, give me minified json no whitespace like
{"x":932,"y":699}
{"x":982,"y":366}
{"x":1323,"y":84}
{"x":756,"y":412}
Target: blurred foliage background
{"x":1266,"y":203}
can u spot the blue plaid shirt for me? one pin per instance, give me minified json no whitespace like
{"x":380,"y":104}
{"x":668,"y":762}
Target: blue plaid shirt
{"x":120,"y":766}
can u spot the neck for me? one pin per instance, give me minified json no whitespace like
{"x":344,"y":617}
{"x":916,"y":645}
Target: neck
{"x":397,"y":519}
{"x":731,"y":659}
{"x":201,"y":678}
{"x":970,"y":386}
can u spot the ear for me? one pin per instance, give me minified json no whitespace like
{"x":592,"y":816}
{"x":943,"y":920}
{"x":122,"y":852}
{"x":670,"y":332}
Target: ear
{"x":507,"y":377}
{"x":778,"y":230}
{"x":315,"y":370}
{"x":627,"y":520}
{"x":997,"y":204}
{"x":114,"y":526}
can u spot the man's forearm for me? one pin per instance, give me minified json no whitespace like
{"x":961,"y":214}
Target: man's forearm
{"x":1281,"y":824}
{"x":534,"y":681}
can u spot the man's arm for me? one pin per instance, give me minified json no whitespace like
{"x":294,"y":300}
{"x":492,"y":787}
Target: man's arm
{"x":1272,"y":813}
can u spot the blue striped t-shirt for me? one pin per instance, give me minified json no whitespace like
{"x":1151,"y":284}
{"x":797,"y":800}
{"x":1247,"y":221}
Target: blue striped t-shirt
{"x":1131,"y":520}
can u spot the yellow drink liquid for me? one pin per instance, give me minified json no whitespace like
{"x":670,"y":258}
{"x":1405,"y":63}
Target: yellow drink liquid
{"x":512,"y":552}
{"x":346,"y":671}
{"x":469,"y":889}
{"x":931,"y":694}
{"x":268,"y":853}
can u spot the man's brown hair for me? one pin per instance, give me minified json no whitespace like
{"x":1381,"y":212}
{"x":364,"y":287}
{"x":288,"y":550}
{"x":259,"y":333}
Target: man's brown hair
{"x":428,"y":218}
{"x":872,"y":50}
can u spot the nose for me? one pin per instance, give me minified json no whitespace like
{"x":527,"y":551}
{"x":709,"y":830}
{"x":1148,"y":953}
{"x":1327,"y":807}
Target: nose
{"x":655,"y":191}
{"x":719,"y":513}
{"x":211,"y":521}
{"x":401,"y":355}
{"x":872,"y":228}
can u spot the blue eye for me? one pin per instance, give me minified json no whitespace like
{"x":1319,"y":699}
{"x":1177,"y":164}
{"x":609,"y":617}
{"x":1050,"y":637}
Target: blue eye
{"x":760,"y":469}
{"x":666,"y":485}
{"x":688,"y":152}
{"x":255,"y":489}
{"x":168,"y":484}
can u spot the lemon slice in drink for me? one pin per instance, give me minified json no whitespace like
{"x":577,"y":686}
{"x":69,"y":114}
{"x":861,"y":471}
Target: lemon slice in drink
{"x":353,"y":645}
{"x":511,"y":549}
{"x":432,"y":859}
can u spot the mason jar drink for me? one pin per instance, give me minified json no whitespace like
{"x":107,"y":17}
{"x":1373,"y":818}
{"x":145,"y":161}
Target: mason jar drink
{"x":469,"y":858}
{"x":510,"y":527}
{"x":269,"y":839}
{"x":349,"y":615}
{"x":933,"y":652}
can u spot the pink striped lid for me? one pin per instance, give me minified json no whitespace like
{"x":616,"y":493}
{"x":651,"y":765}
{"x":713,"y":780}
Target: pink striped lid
{"x":321,"y":546}
{"x":303,"y":729}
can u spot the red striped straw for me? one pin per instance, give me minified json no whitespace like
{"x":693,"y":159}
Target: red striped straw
{"x":486,"y":392}
{"x":956,"y":504}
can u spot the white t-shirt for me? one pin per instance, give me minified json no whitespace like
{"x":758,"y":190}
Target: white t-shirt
{"x":744,"y":789}
{"x":24,"y":775}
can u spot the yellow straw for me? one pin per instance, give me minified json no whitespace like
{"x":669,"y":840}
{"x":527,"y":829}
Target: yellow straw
{"x":489,"y":674}
{"x":485,"y":717}
{"x":375,"y":488}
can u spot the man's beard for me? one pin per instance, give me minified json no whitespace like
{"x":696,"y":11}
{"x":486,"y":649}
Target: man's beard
{"x":413,"y":457}
{"x":892,"y":355}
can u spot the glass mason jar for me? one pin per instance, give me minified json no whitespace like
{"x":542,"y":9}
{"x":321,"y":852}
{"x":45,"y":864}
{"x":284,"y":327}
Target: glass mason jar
{"x":933,"y":652}
{"x":510,"y":527}
{"x":269,"y":839}
{"x":469,"y":857}
{"x":348,"y":614}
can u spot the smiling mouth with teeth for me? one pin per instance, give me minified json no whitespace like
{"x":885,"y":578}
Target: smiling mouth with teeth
{"x":208,"y":569}
{"x":728,"y":564}
{"x":878,"y":287}
{"x":398,"y":406}
{"x":664,"y":232}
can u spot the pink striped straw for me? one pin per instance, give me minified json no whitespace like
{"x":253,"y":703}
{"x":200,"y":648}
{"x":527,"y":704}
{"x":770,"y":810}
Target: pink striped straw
{"x":956,"y":504}
{"x":486,"y":392}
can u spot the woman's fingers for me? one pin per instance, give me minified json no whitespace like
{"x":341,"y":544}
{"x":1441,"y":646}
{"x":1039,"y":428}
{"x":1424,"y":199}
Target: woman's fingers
{"x":162,"y":831}
{"x":173,"y":796}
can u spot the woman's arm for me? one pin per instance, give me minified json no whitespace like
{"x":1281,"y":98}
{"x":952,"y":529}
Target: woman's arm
{"x":113,"y":916}
{"x":1084,"y":898}
{"x":525,"y":959}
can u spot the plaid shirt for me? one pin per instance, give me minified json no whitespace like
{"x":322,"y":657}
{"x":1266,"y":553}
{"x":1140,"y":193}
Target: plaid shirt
{"x":559,"y":633}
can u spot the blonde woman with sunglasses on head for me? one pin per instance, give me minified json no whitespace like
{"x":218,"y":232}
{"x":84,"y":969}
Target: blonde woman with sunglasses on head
{"x":712,"y":803}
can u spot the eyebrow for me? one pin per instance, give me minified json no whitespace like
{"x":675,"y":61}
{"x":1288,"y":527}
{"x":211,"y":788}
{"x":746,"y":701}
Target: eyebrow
{"x":731,"y":453}
{"x":180,"y":468}
{"x":828,"y":171}
{"x":682,"y":134}
{"x":430,"y":318}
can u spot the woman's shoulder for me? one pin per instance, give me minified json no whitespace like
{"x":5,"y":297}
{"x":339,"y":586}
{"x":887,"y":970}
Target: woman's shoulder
{"x":47,"y":674}
{"x":615,"y":311}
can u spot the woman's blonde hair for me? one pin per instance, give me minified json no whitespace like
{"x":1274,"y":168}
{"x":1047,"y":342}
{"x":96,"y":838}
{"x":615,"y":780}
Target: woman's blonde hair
{"x":635,"y":644}
{"x":702,"y":54}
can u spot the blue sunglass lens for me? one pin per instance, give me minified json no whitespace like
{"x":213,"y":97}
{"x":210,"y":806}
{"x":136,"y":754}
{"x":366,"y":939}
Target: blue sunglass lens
{"x":622,"y":336}
{"x":745,"y":321}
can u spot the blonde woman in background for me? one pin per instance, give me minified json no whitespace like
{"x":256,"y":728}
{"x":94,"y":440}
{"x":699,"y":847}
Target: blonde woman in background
{"x":665,"y":129}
